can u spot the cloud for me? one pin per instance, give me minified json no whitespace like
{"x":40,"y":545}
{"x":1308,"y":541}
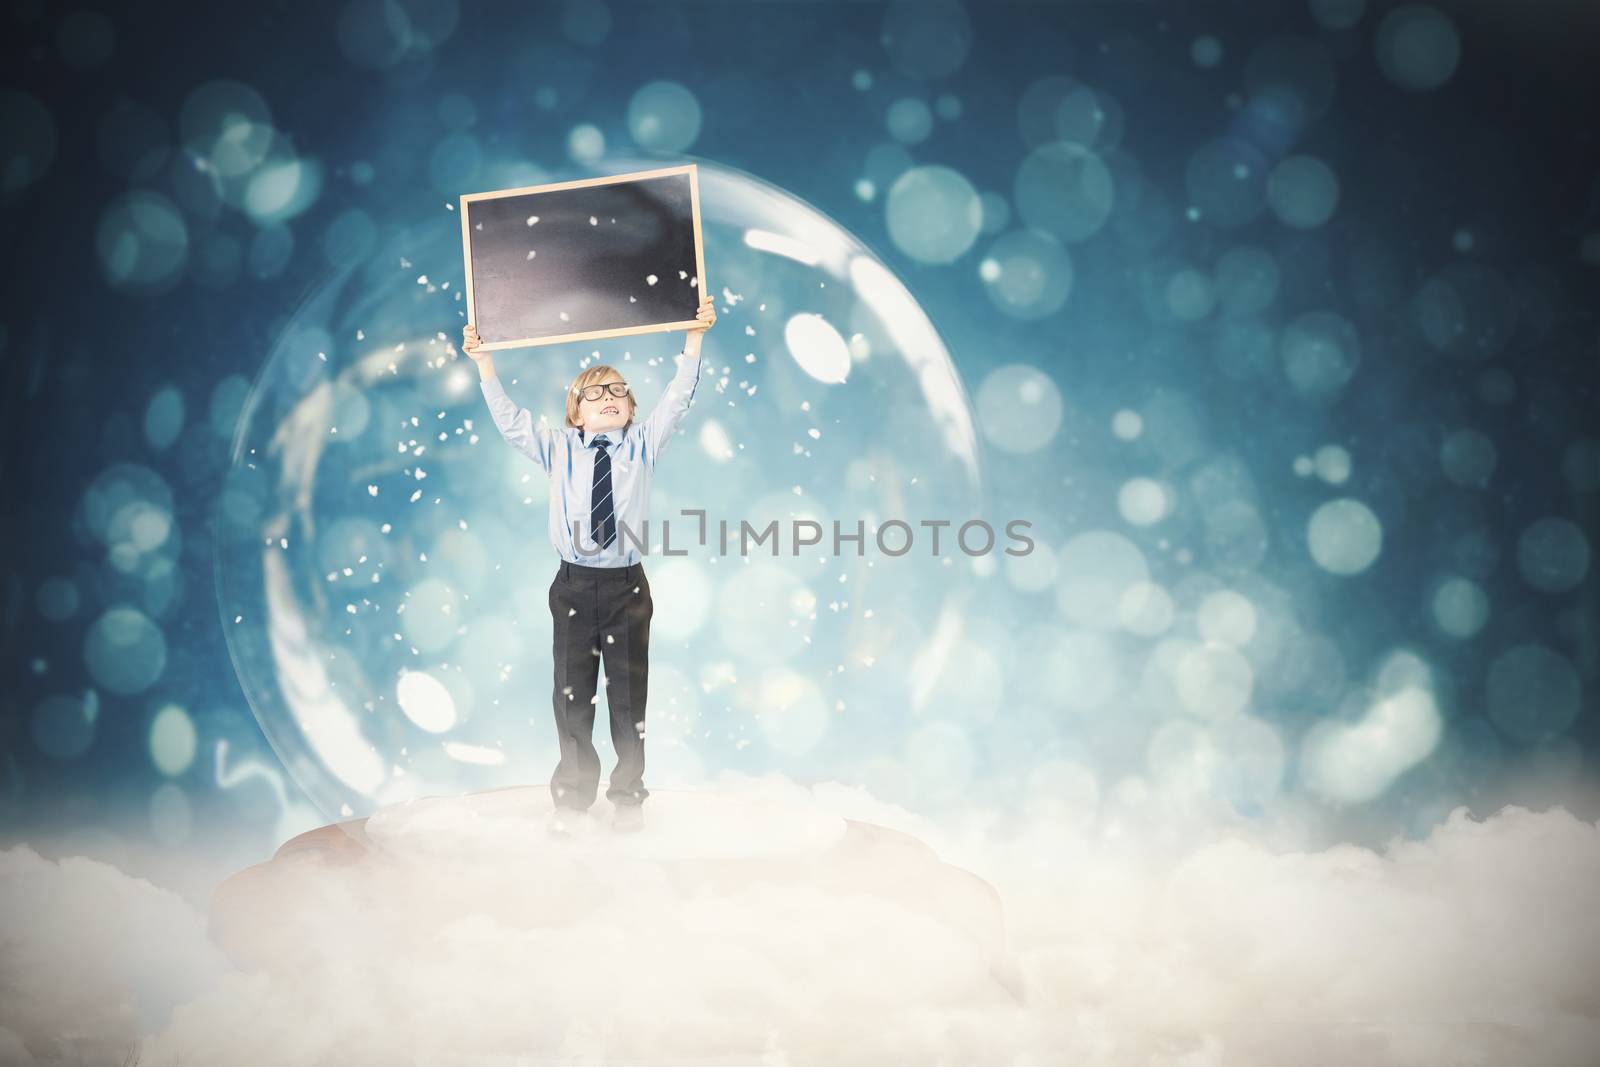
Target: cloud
{"x":91,"y":958}
{"x":757,"y":922}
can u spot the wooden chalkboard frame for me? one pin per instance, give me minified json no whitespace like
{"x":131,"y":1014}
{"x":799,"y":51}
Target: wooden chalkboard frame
{"x":655,"y":327}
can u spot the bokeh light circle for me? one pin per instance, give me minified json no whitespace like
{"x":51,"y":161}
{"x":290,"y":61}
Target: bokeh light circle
{"x":1533,"y":693}
{"x":586,"y":143}
{"x":1090,"y":118}
{"x":1303,"y":191}
{"x":1553,"y":555}
{"x":1227,"y":617}
{"x":1027,"y":274}
{"x":1190,"y":295}
{"x":1019,"y":408}
{"x":173,"y":740}
{"x":143,"y":242}
{"x":1460,"y":607}
{"x":1065,"y":190}
{"x":1345,"y":537}
{"x":125,"y":650}
{"x":934,"y":214}
{"x":1206,"y":51}
{"x":1213,"y":680}
{"x":909,"y":120}
{"x":57,"y":599}
{"x":373,"y":527}
{"x":1332,"y":464}
{"x":1418,"y":47}
{"x":1467,"y":310}
{"x":664,"y":116}
{"x":1144,"y":501}
{"x":227,"y":127}
{"x":1321,"y":351}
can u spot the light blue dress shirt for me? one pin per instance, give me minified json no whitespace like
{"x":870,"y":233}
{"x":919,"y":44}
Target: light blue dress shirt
{"x":567,"y":456}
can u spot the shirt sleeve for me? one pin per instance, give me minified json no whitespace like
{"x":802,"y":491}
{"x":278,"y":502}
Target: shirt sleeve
{"x":516,"y":424}
{"x":669,"y":411}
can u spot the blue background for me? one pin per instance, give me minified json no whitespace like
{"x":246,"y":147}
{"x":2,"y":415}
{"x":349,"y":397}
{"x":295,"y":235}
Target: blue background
{"x":1468,"y":211}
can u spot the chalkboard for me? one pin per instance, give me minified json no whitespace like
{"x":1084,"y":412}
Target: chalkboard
{"x":570,"y":261}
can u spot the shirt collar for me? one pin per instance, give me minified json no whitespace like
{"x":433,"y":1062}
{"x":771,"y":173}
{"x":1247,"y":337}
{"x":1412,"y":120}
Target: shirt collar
{"x":611,"y":436}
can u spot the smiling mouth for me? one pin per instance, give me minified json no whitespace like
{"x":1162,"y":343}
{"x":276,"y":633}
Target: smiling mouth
{"x":608,"y":411}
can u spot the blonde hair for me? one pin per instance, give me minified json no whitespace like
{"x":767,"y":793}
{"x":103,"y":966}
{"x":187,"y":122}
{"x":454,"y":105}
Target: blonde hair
{"x":590,"y":377}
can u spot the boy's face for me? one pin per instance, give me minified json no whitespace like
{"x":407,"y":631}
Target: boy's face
{"x":607,"y":412}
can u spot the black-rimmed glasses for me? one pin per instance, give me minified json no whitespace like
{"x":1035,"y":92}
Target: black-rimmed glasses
{"x":595,"y":392}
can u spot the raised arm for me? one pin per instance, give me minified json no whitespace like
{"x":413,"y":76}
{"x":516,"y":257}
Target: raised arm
{"x":663,"y":420}
{"x":514,"y":423}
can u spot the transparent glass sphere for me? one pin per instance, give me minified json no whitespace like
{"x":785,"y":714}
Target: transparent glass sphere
{"x":383,"y":559}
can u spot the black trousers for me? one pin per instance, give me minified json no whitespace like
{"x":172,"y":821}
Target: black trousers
{"x":600,"y":613}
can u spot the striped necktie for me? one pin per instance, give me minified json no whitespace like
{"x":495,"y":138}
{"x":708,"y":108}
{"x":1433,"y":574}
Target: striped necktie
{"x":602,"y":509}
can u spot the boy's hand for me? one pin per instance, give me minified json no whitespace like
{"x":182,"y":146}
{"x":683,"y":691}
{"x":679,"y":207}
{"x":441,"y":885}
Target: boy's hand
{"x":471,"y":345}
{"x":707,"y":316}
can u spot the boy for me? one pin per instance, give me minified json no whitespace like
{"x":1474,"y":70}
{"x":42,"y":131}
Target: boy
{"x":600,"y":468}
